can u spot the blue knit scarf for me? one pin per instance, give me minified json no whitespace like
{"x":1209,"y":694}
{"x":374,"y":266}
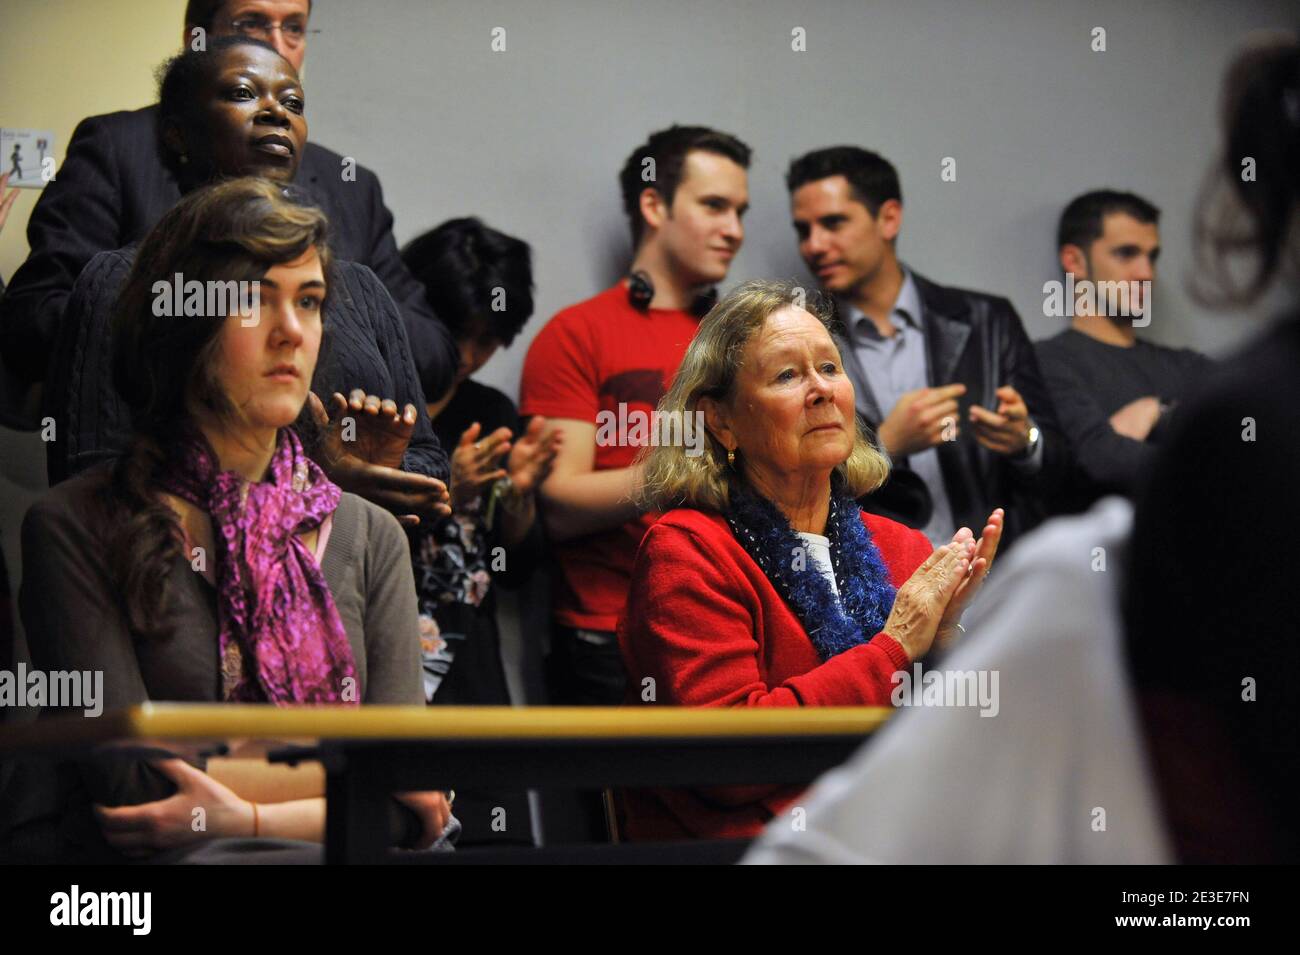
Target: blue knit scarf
{"x":866,"y":595}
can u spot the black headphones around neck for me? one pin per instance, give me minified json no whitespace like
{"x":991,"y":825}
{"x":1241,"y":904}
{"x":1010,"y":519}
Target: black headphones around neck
{"x":641,"y":292}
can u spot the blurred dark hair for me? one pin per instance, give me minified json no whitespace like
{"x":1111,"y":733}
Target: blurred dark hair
{"x":872,"y":178}
{"x":1084,"y":219}
{"x":202,"y":13}
{"x":179,"y":81}
{"x":162,"y":365}
{"x":669,"y":149}
{"x":462,"y":263}
{"x":1257,"y":219}
{"x":1199,"y":633}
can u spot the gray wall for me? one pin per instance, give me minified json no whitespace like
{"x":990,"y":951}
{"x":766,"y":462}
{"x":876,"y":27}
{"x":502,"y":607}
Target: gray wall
{"x":531,"y":139}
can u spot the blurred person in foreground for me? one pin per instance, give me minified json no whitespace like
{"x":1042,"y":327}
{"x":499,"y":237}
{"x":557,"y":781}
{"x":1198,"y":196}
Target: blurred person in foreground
{"x":1211,"y":622}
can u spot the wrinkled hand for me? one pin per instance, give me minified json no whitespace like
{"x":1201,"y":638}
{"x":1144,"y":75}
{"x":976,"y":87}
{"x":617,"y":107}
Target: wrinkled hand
{"x":6,"y":202}
{"x":1005,"y":431}
{"x":383,"y":433}
{"x":434,"y":811}
{"x":531,"y":460}
{"x":1136,"y":419}
{"x":475,"y":464}
{"x":924,"y":597}
{"x":921,"y":419}
{"x":984,"y":552}
{"x":141,"y":830}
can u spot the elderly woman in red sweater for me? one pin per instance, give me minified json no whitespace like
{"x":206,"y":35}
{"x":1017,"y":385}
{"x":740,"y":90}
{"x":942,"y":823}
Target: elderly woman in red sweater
{"x":765,"y":584}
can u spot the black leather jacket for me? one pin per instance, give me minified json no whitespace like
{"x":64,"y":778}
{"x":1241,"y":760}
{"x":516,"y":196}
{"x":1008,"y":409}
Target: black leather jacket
{"x":975,"y":339}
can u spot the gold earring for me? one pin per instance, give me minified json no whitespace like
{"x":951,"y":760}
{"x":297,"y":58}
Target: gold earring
{"x":731,"y":458}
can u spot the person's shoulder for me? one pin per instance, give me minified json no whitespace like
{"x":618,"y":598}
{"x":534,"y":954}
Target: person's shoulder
{"x":950,"y":299}
{"x":1063,"y":340}
{"x":579,"y":326}
{"x":76,"y":507}
{"x":368,"y":524}
{"x":360,"y":307}
{"x":691,"y":536}
{"x":106,"y":265}
{"x":322,"y":157}
{"x":1062,"y":348}
{"x":356,"y":281}
{"x":353,"y":271}
{"x":125,"y":122}
{"x":123,"y":145}
{"x":595,"y":311}
{"x":694,"y":520}
{"x":365,"y":536}
{"x":692,"y":528}
{"x":323,"y":167}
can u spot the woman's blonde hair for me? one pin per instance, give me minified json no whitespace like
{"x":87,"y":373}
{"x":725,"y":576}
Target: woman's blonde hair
{"x":674,"y":478}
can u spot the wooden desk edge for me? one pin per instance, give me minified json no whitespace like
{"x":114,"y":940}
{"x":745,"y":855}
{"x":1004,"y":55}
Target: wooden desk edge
{"x":179,"y":721}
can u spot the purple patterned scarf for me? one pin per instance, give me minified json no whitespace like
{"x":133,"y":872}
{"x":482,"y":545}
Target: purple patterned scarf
{"x":273,"y":603}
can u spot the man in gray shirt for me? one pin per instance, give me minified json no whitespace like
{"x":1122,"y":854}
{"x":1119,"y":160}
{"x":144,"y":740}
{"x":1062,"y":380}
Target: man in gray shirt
{"x":946,"y":377}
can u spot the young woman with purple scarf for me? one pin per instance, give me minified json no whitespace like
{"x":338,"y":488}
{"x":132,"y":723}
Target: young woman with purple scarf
{"x":214,"y":560}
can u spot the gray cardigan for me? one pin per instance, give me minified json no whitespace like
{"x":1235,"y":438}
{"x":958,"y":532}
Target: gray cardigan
{"x":73,"y":622}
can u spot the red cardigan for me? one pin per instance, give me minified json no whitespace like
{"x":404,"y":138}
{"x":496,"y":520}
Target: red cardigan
{"x":705,"y":623}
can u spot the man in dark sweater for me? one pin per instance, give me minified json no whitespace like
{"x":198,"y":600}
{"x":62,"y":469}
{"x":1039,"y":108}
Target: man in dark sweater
{"x":1114,"y":393}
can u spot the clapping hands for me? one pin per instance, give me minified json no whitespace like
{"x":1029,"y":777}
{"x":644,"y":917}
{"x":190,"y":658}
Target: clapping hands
{"x":929,"y":605}
{"x":366,"y":457}
{"x":476,"y":462}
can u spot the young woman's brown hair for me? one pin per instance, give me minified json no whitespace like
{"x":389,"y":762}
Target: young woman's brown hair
{"x":163,"y":363}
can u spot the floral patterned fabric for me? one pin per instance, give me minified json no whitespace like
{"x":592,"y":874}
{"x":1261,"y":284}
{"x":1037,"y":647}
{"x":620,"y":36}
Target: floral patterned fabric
{"x":459,"y":566}
{"x":281,"y":637}
{"x":452,"y":581}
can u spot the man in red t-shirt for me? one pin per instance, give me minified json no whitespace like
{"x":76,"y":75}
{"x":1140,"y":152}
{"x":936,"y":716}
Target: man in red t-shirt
{"x":597,"y":372}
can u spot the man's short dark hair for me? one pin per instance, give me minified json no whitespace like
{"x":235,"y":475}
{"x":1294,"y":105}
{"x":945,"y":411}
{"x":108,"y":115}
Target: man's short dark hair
{"x":462,"y":264}
{"x":1084,"y":219}
{"x":872,"y":178}
{"x":669,"y":149}
{"x":201,"y":13}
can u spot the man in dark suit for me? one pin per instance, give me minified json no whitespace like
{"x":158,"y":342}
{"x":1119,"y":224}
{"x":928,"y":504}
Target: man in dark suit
{"x":945,"y":377}
{"x":114,"y":185}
